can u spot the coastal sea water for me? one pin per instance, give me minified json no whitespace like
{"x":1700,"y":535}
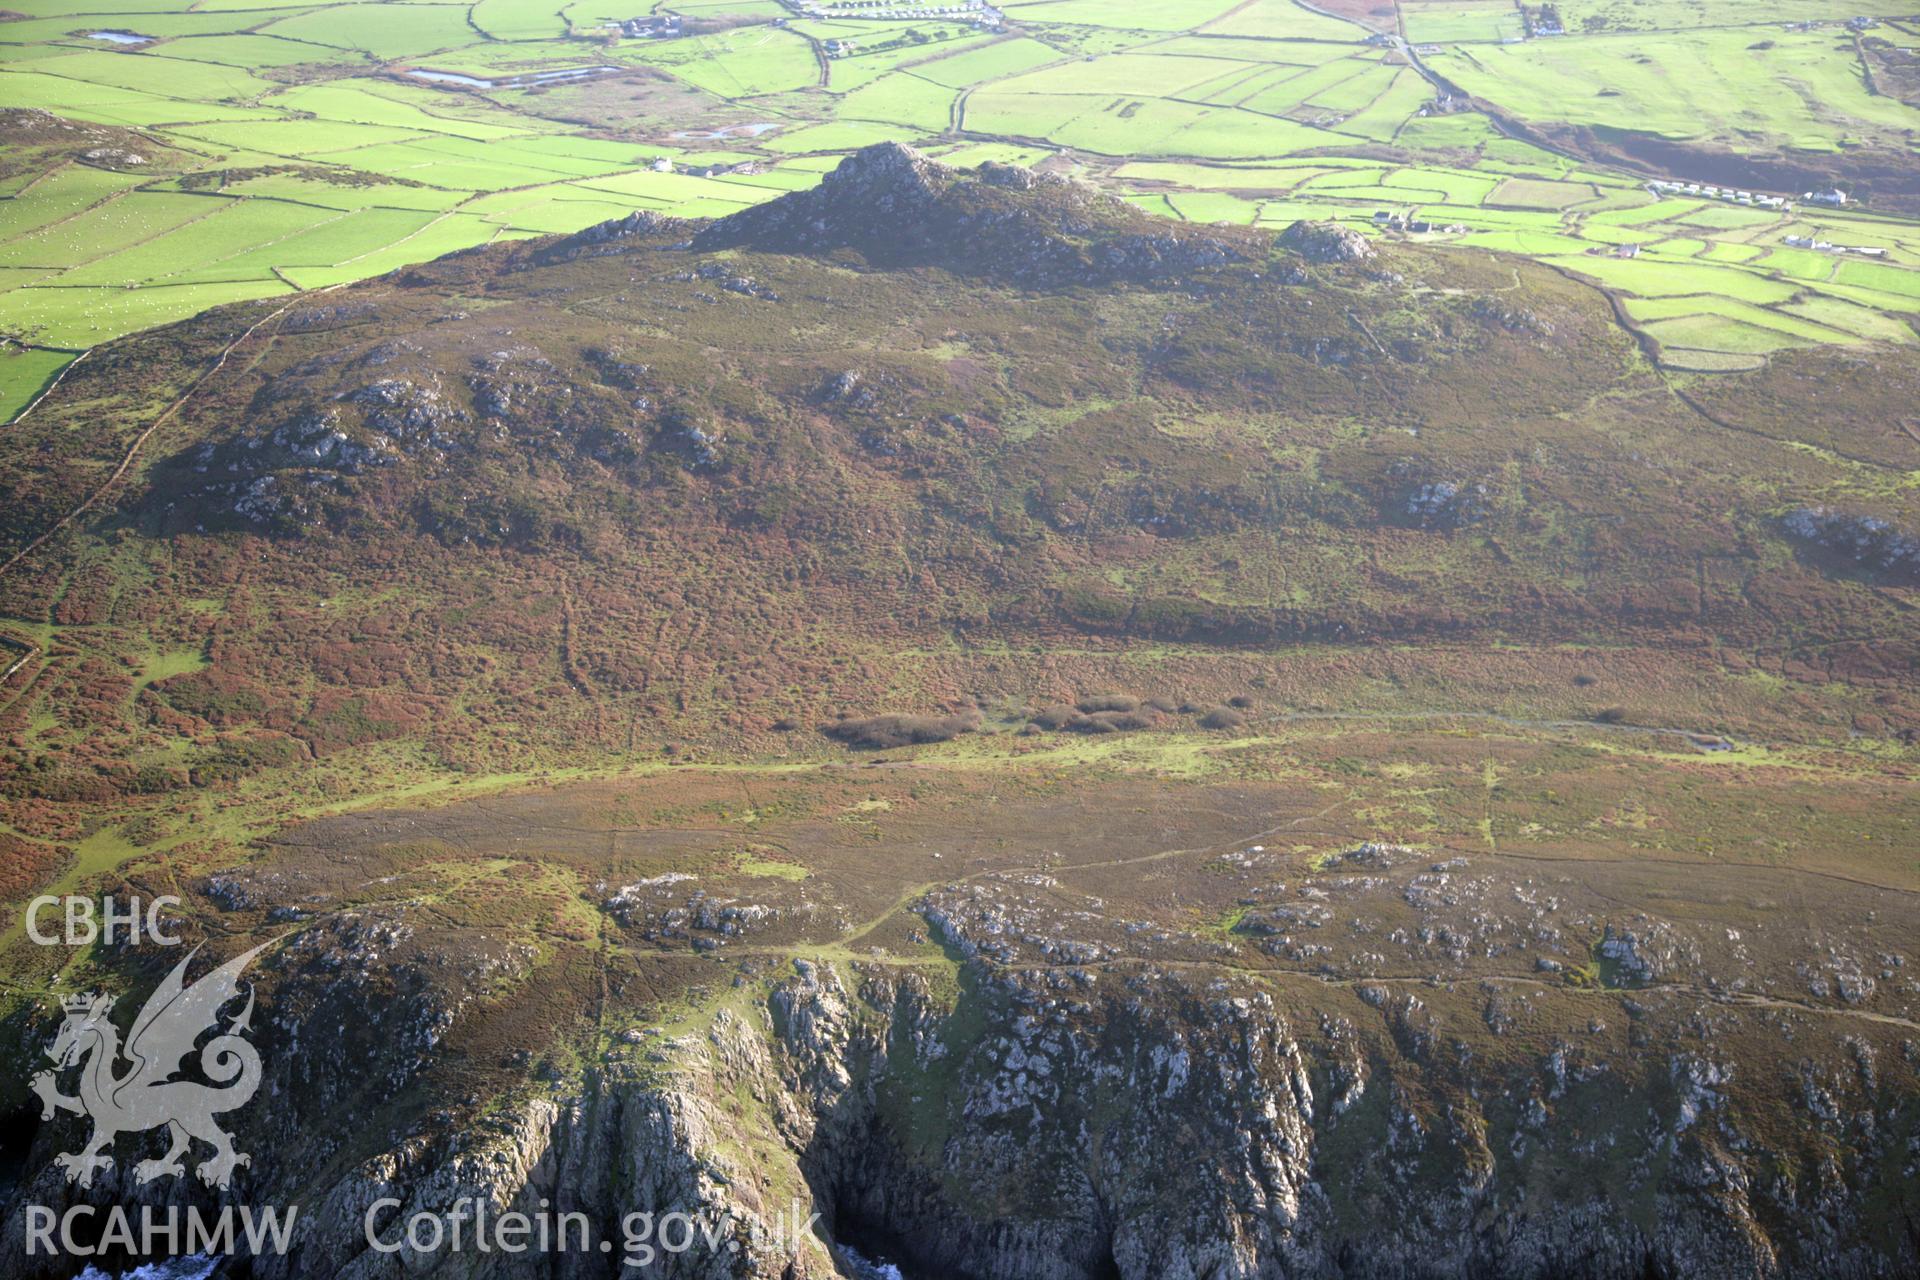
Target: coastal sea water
{"x":877,"y":1269}
{"x":194,"y":1268}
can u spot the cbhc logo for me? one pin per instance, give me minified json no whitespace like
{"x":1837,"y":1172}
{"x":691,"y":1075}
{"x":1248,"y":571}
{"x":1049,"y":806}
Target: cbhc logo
{"x":83,"y":925}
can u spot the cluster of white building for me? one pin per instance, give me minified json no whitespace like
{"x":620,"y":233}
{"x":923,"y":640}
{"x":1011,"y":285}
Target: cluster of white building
{"x":951,"y":12}
{"x":1729,"y":194}
{"x":1828,"y":246}
{"x":1814,"y":24}
{"x":661,"y":164}
{"x":659,"y":26}
{"x":978,"y":12}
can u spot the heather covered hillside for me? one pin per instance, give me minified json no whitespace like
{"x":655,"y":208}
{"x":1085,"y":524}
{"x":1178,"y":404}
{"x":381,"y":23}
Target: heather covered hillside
{"x":672,"y":482}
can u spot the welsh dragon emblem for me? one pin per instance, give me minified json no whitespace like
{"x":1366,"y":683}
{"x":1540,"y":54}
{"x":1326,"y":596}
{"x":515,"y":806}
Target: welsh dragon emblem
{"x":146,"y":1095}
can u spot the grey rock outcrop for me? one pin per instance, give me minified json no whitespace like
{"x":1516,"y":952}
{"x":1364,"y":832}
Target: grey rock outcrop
{"x":1326,"y":242}
{"x":1868,"y":541}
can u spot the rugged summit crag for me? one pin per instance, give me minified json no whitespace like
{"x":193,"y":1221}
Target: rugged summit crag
{"x":898,"y":208}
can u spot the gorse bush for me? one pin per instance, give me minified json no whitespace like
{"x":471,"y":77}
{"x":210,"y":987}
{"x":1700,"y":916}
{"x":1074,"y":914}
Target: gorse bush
{"x":877,"y":733}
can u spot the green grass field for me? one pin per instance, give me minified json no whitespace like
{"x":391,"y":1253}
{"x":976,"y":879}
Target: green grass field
{"x":1748,"y":89}
{"x":298,"y":144}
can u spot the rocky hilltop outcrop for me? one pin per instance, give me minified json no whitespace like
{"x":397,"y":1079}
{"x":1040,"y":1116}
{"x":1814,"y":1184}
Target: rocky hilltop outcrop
{"x":896,"y":207}
{"x":608,"y":237}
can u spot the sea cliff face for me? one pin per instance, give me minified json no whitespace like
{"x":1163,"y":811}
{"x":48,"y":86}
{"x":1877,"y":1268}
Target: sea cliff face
{"x":1081,"y":1122}
{"x":1164,"y":1129}
{"x":1153,"y":1049}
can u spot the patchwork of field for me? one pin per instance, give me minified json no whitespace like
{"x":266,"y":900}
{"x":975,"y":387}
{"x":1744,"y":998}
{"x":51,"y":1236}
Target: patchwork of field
{"x":1715,"y":283}
{"x":1750,"y":90}
{"x":277,"y":145}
